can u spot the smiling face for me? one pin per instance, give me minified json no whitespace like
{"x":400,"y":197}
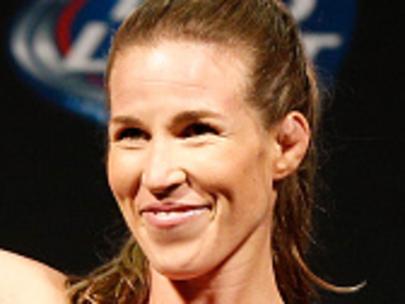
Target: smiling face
{"x":190,"y":163}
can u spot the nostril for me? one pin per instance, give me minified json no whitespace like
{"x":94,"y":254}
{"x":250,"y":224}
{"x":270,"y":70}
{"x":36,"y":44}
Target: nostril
{"x":162,"y":193}
{"x":162,"y":181}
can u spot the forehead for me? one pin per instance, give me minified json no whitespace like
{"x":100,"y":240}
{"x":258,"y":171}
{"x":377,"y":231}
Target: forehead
{"x":190,"y":66}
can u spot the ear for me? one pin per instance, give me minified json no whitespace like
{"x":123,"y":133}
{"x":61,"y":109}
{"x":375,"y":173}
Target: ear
{"x":292,"y":137}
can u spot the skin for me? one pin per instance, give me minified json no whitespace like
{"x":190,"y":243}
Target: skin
{"x":181,"y":132}
{"x":23,"y":280}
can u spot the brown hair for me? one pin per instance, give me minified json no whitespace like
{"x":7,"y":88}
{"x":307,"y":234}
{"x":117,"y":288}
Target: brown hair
{"x":282,"y":80}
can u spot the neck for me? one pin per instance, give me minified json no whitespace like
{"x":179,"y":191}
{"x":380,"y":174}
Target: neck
{"x":246,"y":277}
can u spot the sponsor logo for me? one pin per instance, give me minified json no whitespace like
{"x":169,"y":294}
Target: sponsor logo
{"x":61,"y":46}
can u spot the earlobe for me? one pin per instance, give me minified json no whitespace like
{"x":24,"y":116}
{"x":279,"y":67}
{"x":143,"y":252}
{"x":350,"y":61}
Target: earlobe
{"x":292,"y":139}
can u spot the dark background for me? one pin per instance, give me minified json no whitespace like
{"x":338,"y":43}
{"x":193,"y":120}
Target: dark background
{"x":56,"y":207}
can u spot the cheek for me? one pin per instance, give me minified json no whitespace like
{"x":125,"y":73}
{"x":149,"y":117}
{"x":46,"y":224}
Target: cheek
{"x":252,"y":184}
{"x":247,"y":169}
{"x":239,"y":175}
{"x":123,"y":175}
{"x":253,"y":196}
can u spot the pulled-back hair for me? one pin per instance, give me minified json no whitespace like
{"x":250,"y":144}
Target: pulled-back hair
{"x":281,"y":80}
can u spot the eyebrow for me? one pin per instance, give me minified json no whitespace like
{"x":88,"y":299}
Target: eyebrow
{"x":195,"y":115}
{"x":125,"y":120}
{"x":182,"y":117}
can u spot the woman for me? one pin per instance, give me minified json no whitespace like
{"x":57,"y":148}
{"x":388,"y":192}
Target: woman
{"x":210,"y":158}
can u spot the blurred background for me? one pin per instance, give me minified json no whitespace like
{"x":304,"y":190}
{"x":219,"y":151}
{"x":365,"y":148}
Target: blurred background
{"x":55,"y":203}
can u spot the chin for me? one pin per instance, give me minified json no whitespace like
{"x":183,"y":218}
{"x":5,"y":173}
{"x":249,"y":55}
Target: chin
{"x":179,"y":275}
{"x":180,"y":269}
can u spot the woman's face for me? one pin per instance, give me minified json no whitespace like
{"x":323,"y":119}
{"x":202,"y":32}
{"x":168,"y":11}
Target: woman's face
{"x":190,"y":163}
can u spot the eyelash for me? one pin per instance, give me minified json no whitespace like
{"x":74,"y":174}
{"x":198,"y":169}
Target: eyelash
{"x":133,"y":134}
{"x":191,"y":130}
{"x":198,"y":129}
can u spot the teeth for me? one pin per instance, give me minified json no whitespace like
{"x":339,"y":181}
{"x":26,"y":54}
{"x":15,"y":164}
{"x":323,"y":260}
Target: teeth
{"x":164,"y":215}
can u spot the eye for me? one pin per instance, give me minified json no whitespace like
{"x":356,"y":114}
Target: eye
{"x":198,"y":129}
{"x":132,"y":134}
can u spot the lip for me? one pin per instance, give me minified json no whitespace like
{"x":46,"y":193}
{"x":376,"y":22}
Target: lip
{"x":169,"y":215}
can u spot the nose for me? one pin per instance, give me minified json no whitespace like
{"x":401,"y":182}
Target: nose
{"x":162,"y":172}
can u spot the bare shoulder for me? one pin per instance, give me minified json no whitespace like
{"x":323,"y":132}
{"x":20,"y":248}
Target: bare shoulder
{"x":23,"y":280}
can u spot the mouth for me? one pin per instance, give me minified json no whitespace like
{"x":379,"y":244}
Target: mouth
{"x":165,"y":216}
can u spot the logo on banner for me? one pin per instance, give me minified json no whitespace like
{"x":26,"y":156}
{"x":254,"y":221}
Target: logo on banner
{"x":61,"y":46}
